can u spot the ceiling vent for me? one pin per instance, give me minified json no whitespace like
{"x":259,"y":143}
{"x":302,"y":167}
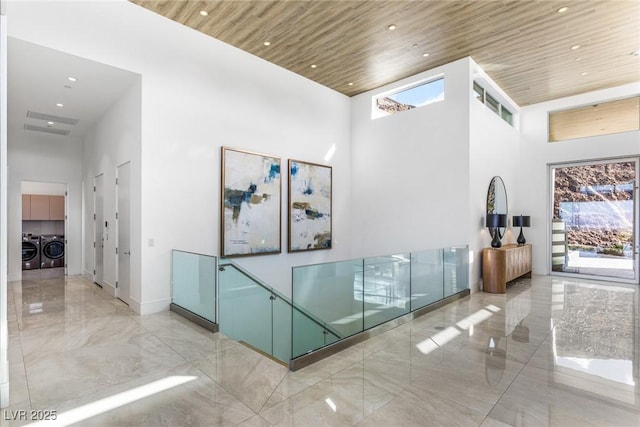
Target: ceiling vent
{"x":52,"y":118}
{"x":46,"y":130}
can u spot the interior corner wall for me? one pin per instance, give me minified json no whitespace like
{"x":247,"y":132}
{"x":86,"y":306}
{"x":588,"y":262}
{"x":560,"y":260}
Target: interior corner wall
{"x":494,"y":151}
{"x":199,"y":94}
{"x":4,"y":330}
{"x":32,"y":157}
{"x":537,"y":154}
{"x":410,"y":170}
{"x":113,"y":140}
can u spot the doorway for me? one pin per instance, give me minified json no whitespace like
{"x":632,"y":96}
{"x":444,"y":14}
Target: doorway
{"x":123,"y":221}
{"x":594,"y":219}
{"x":98,"y":228}
{"x":44,"y":227}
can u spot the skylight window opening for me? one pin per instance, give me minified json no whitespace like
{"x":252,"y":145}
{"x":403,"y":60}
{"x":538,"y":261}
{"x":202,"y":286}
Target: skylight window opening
{"x":482,"y":95}
{"x":507,"y":115}
{"x":478,"y":92}
{"x":405,"y":99}
{"x":492,"y":104}
{"x":595,"y":119}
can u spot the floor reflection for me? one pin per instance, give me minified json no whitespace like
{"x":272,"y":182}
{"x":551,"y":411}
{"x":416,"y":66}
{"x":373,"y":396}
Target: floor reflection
{"x":549,"y":352}
{"x":595,"y":344}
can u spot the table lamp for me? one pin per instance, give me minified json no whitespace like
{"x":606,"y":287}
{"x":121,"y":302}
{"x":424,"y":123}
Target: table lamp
{"x":493,"y":222}
{"x":521,"y":221}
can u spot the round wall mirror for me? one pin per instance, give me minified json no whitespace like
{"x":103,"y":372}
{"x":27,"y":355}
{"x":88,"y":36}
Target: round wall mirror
{"x":497,"y":201}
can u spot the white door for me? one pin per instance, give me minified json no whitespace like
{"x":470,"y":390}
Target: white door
{"x":98,"y":227}
{"x":123,"y":219}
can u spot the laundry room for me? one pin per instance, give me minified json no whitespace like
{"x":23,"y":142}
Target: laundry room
{"x":43,"y":227}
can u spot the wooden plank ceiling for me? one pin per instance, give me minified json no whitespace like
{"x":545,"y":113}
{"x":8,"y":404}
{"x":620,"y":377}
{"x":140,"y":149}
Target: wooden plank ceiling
{"x":525,"y":46}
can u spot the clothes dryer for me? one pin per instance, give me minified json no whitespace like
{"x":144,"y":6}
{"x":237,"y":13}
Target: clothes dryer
{"x":52,"y":250}
{"x":30,"y":252}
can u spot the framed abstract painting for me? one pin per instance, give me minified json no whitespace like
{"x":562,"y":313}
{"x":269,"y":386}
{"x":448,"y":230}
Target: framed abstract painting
{"x":310,"y":218}
{"x":251,"y":204}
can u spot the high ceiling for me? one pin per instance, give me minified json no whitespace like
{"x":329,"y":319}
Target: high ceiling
{"x":527,"y":47}
{"x":38,"y":79}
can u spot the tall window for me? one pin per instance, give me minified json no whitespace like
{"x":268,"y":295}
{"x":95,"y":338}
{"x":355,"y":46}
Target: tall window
{"x":594,"y":219}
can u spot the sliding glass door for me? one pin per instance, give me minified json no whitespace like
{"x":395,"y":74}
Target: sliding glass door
{"x":594,"y":219}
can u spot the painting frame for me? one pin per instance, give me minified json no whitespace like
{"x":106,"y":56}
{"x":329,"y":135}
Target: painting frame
{"x":310,"y":210}
{"x":250,"y":203}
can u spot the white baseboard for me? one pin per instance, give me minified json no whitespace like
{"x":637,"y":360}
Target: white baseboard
{"x":151,"y":307}
{"x":135,"y":305}
{"x":475,"y":287}
{"x":109,"y":289}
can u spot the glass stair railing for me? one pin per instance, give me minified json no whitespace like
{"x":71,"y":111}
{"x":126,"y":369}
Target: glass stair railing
{"x":330,"y":303}
{"x":193,"y":287}
{"x":352,"y":297}
{"x":253,"y":312}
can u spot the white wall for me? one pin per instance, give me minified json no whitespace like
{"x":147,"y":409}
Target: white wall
{"x":115,"y":139}
{"x":44,"y":188}
{"x":199,"y":94}
{"x":410,"y":171}
{"x":44,"y":158}
{"x":420,"y":178}
{"x":494,"y":150}
{"x":537,"y":154}
{"x":4,"y":332}
{"x":220,"y":96}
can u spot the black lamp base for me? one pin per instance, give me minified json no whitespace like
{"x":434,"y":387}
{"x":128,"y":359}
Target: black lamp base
{"x":521,"y":240}
{"x":496,"y":243}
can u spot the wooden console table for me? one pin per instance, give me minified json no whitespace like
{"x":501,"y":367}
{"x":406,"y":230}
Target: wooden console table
{"x":502,"y":265}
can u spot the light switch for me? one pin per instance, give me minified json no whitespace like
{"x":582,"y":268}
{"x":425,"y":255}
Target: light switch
{"x":151,"y":242}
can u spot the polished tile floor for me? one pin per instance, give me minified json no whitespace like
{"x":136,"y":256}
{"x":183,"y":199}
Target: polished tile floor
{"x":551,"y":352}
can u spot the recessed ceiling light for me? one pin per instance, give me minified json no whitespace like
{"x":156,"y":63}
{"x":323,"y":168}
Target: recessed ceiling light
{"x":562,"y":9}
{"x":314,"y":66}
{"x":59,"y":105}
{"x":350,"y":83}
{"x":425,"y":54}
{"x":575,"y":47}
{"x":50,"y":123}
{"x":72,"y":79}
{"x":636,"y":53}
{"x":391,"y":27}
{"x":267,"y":43}
{"x":415,"y":45}
{"x":578,"y":59}
{"x":204,"y":13}
{"x":584,"y":73}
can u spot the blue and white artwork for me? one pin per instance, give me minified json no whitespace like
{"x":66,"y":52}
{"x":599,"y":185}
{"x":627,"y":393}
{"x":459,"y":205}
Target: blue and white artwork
{"x":309,"y":206}
{"x":251,"y":213}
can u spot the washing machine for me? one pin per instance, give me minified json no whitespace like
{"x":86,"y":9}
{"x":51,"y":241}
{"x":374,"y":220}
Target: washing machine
{"x":30,"y":252}
{"x":51,"y":251}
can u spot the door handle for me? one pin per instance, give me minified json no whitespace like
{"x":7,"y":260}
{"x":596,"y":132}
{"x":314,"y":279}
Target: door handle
{"x":126,"y":253}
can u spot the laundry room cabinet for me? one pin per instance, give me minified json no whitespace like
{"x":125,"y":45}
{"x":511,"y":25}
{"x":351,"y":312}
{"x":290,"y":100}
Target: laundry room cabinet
{"x":41,"y":207}
{"x":56,"y":208}
{"x":26,"y":207}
